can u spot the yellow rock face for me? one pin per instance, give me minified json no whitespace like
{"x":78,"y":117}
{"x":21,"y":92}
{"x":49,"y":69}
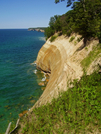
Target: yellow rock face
{"x":62,"y":60}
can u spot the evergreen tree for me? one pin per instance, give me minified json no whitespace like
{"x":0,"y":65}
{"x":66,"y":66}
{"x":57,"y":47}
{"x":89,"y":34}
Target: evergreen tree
{"x":87,"y":20}
{"x":69,"y":2}
{"x":84,"y":19}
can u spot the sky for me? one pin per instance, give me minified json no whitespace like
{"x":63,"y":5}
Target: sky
{"x":29,"y":13}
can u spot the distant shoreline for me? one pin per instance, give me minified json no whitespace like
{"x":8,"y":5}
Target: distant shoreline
{"x":39,"y":29}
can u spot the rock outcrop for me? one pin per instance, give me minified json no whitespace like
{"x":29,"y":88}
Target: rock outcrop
{"x":36,"y":29}
{"x":62,"y":59}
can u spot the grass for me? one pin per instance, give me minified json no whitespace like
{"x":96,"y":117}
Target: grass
{"x":78,"y":110}
{"x":91,"y":57}
{"x":53,"y":38}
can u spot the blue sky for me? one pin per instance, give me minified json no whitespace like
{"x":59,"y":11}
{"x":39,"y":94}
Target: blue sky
{"x":29,"y":13}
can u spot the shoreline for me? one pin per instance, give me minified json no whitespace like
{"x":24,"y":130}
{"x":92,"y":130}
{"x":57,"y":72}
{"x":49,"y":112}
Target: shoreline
{"x":43,"y":83}
{"x":36,"y":29}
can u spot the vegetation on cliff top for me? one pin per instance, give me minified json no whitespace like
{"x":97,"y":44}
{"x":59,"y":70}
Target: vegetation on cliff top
{"x":84,"y":19}
{"x":77,"y":110}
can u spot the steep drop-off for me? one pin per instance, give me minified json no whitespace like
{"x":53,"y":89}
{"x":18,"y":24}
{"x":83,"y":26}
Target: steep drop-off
{"x":62,"y":59}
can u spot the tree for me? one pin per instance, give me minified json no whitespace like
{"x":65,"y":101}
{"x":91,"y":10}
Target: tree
{"x":58,"y":25}
{"x":53,"y":26}
{"x":69,"y":2}
{"x":53,"y":22}
{"x":86,"y":17}
{"x":49,"y":32}
{"x":87,"y":21}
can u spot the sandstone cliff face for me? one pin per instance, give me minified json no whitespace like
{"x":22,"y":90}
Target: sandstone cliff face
{"x":62,"y":60}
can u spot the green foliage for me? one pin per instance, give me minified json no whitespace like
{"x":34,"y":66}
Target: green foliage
{"x":69,"y":2}
{"x":54,"y":26}
{"x":53,"y":38}
{"x":52,"y":21}
{"x":75,"y":42}
{"x":79,"y":39}
{"x":87,"y":19}
{"x":91,"y":57}
{"x":84,"y":19}
{"x":69,"y":33}
{"x":86,"y":48}
{"x":49,"y":32}
{"x":71,"y":39}
{"x":58,"y":25}
{"x":12,"y":126}
{"x":76,"y":110}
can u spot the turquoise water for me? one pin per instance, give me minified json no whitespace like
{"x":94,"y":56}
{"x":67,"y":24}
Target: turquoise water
{"x":18,"y":82}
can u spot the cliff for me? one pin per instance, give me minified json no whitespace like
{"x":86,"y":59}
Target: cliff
{"x":64,"y":61}
{"x":39,"y":29}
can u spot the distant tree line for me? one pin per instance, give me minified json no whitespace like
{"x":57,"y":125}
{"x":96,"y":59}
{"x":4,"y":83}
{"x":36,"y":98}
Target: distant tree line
{"x":84,"y":19}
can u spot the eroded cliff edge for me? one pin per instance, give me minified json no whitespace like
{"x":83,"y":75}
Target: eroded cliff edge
{"x":62,"y":59}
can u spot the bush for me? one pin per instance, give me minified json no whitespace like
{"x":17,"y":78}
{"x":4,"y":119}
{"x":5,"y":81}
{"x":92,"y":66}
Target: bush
{"x":53,"y":38}
{"x":71,"y":39}
{"x":75,"y":42}
{"x":79,"y":39}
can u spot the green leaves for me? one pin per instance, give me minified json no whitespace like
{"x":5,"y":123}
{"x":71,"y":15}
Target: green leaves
{"x":76,"y":110}
{"x":85,"y":18}
{"x":54,"y":26}
{"x":71,"y":39}
{"x":69,"y":2}
{"x":49,"y":32}
{"x":53,"y":38}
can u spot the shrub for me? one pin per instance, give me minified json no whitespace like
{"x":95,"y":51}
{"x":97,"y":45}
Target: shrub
{"x":53,"y":38}
{"x":75,"y":42}
{"x":86,"y":48}
{"x":71,"y":39}
{"x":79,"y":39}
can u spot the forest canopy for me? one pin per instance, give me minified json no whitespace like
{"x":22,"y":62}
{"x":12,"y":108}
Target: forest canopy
{"x":84,"y":18}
